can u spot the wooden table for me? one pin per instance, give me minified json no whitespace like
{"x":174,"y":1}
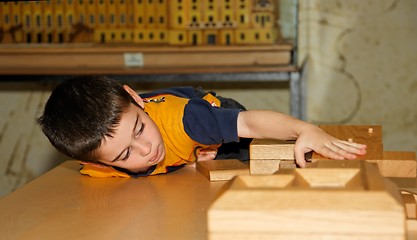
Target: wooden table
{"x":62,"y":204}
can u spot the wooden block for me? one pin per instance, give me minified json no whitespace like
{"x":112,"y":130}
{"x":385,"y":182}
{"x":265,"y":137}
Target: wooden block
{"x":287,"y":164}
{"x":269,"y":155}
{"x":263,"y":166}
{"x":404,"y":183}
{"x":222,"y":170}
{"x":269,"y":166}
{"x":336,"y":200}
{"x":411,"y":229}
{"x":15,"y":59}
{"x":371,"y":135}
{"x":410,"y":204}
{"x":271,"y":149}
{"x":397,"y":164}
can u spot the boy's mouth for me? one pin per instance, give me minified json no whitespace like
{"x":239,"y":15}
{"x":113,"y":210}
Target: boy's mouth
{"x":155,"y":158}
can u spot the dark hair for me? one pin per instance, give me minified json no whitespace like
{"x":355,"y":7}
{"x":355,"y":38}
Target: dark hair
{"x":80,"y":112}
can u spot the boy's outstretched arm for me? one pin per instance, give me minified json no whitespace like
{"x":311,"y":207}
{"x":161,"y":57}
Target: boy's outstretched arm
{"x":275,"y":125}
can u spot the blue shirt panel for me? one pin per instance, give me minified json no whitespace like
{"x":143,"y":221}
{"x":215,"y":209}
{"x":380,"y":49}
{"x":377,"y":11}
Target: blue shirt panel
{"x":210,"y":125}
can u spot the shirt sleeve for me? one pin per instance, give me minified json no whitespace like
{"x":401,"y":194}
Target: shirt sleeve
{"x":210,"y":125}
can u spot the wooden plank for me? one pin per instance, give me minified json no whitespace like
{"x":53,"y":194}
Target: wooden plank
{"x":336,"y":200}
{"x":166,"y":70}
{"x":65,"y":205}
{"x":271,"y":149}
{"x":404,"y":183}
{"x":112,"y":58}
{"x":397,"y":164}
{"x":371,"y":135}
{"x":410,"y":204}
{"x":267,"y":156}
{"x":266,"y":153}
{"x":411,"y":229}
{"x":264,"y":166}
{"x":117,"y":48}
{"x":269,"y":166}
{"x":222,"y":169}
{"x":116,"y":60}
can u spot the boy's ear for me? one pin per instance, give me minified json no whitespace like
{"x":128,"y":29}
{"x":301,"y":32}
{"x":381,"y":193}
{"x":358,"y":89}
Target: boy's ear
{"x":135,"y":96}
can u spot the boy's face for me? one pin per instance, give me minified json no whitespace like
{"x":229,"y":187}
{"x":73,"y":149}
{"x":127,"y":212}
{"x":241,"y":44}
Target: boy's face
{"x":136,"y":144}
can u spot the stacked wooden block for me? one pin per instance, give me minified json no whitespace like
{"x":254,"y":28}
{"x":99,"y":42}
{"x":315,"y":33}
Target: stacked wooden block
{"x":349,"y":199}
{"x":268,"y":156}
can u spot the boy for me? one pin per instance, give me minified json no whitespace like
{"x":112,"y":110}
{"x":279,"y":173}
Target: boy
{"x":116,"y":132}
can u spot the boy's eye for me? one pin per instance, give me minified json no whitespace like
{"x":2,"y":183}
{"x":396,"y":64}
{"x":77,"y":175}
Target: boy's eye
{"x":129,"y":149}
{"x":140,"y":130}
{"x":127,"y":154}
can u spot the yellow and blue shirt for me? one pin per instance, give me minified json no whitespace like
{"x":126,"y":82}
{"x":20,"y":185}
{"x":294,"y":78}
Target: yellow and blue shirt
{"x":187,"y":122}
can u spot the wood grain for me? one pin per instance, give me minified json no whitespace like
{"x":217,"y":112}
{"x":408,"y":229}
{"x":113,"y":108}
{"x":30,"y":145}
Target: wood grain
{"x":271,"y":149}
{"x":222,"y":169}
{"x":269,"y":155}
{"x":371,"y":135}
{"x":62,"y":204}
{"x":269,"y":166}
{"x":410,"y":204}
{"x":411,"y":229}
{"x":263,"y":166}
{"x":397,"y":164}
{"x":85,"y":58}
{"x":336,"y":200}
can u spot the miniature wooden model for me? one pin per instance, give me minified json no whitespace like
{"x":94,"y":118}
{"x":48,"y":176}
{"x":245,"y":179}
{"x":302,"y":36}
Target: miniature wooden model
{"x":268,"y":156}
{"x":222,"y":170}
{"x":336,"y":200}
{"x":176,"y":22}
{"x":268,"y":148}
{"x":269,"y":166}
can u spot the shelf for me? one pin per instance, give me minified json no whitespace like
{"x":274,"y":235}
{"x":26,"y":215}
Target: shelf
{"x":113,"y":59}
{"x":160,"y":64}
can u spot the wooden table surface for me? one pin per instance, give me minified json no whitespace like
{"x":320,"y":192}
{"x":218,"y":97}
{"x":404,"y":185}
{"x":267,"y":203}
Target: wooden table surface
{"x":62,"y":204}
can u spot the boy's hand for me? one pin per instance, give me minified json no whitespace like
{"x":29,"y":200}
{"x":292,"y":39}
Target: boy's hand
{"x":315,"y":139}
{"x":206,"y":154}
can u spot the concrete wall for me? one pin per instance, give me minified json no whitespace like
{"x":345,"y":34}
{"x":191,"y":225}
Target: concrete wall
{"x":363,"y":65}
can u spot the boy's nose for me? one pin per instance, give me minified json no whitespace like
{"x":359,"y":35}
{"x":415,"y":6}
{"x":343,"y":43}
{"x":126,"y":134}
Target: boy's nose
{"x":143,"y":147}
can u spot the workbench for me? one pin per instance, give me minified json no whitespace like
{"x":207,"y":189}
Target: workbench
{"x":63,"y":204}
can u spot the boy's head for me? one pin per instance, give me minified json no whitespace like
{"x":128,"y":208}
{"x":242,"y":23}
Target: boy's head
{"x":97,"y":119}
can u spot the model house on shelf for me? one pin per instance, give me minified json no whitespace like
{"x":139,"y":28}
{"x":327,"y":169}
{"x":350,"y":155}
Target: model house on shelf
{"x":151,"y":22}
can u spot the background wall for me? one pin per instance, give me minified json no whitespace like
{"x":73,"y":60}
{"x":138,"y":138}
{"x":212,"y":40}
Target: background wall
{"x":362,"y":69}
{"x":363,"y":65}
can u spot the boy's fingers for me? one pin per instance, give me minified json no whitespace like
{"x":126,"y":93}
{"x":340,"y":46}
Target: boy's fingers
{"x":349,"y":149}
{"x":299,"y":158}
{"x":332,"y":151}
{"x":353,"y":144}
